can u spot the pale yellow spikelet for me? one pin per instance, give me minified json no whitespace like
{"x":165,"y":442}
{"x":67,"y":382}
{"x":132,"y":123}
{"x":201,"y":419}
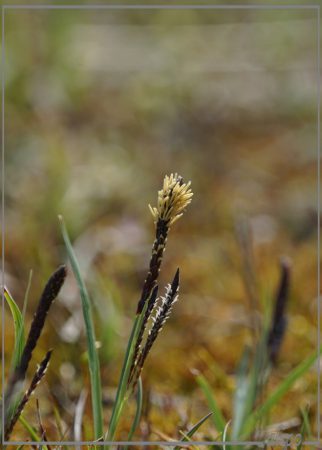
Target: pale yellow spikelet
{"x":173,"y":198}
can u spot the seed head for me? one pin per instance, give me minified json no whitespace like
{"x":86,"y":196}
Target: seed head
{"x":162,"y":313}
{"x":173,"y":198}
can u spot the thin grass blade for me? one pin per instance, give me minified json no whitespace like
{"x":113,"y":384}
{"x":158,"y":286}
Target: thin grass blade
{"x":217,"y":416}
{"x":257,"y":378}
{"x":277,"y":394}
{"x":93,"y":360}
{"x":306,"y":430}
{"x":193,"y":430}
{"x":33,"y":434}
{"x":139,"y":402}
{"x":241,"y":394}
{"x":18,"y":329}
{"x":122,"y":386}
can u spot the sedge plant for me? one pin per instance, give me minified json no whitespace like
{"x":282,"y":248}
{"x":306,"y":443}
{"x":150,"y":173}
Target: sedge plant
{"x":152,"y":311}
{"x":250,"y":407}
{"x":173,"y":198}
{"x":14,"y":399}
{"x":151,"y":314}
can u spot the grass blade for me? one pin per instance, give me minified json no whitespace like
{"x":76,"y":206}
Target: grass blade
{"x":193,"y":430}
{"x":277,"y":394}
{"x":122,"y":389}
{"x":139,"y":401}
{"x":218,"y":417}
{"x":306,"y":429}
{"x":241,"y":394}
{"x":18,"y":329}
{"x":254,"y":383}
{"x":33,"y":434}
{"x":122,"y":386}
{"x":93,"y":360}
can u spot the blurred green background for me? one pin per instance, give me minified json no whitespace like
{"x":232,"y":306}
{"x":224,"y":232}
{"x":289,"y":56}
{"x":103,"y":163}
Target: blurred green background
{"x":99,"y":106}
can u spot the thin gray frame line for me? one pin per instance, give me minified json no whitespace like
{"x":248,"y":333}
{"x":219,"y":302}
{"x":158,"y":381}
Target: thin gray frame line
{"x":166,"y":443}
{"x":318,"y":223}
{"x":2,"y":216}
{"x":170,"y":7}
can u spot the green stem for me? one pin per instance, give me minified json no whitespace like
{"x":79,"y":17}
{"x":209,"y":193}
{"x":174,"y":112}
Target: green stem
{"x":122,"y":386}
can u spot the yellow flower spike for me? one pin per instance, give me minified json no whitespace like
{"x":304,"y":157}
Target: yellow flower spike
{"x":173,"y":198}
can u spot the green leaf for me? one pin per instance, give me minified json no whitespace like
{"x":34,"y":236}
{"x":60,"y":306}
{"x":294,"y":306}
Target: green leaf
{"x":218,"y":417}
{"x":58,"y":422}
{"x":139,"y":401}
{"x":257,"y":379}
{"x":18,"y":329}
{"x":306,"y":428}
{"x":93,"y":360}
{"x":277,"y":394}
{"x":34,"y":436}
{"x":121,"y":397}
{"x":192,"y":430}
{"x":243,"y":391}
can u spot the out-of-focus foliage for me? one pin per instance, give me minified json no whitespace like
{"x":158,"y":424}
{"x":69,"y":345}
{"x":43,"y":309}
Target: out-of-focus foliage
{"x":99,"y":106}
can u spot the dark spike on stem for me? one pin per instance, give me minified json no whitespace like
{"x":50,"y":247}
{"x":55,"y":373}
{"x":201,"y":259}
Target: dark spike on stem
{"x":279,"y":320}
{"x":152,"y":300}
{"x":161,"y":317}
{"x":176,"y":281}
{"x":158,"y":248}
{"x":49,"y":294}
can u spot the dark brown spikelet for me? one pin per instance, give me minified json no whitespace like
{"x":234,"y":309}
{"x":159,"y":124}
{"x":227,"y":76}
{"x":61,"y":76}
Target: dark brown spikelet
{"x":175,"y":282}
{"x":163,"y":313}
{"x":34,"y":383}
{"x":147,"y":314}
{"x":49,"y":294}
{"x":158,"y":248}
{"x":279,"y":321}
